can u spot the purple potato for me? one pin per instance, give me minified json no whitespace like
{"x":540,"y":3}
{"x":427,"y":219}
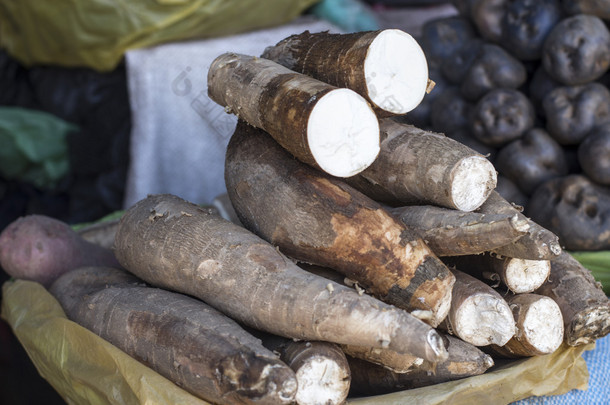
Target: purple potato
{"x":577,"y":50}
{"x":531,"y":160}
{"x":501,"y":116}
{"x":526,"y":24}
{"x":493,"y":68}
{"x":441,"y":37}
{"x":456,"y":66}
{"x":573,"y":111}
{"x":575,"y":209}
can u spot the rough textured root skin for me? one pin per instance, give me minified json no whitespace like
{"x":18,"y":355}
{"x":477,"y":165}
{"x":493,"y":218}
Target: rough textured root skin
{"x":539,"y":327}
{"x":41,"y":248}
{"x":320,"y":220}
{"x":465,"y":360}
{"x":325,"y":272}
{"x":450,"y":232}
{"x":101,"y":234}
{"x":417,"y":167}
{"x":277,"y":100}
{"x":183,"y":339}
{"x":538,"y":244}
{"x":478,"y":315}
{"x":322,"y":371}
{"x":338,"y":59}
{"x":585,"y":307}
{"x":519,"y":275}
{"x":174,"y":244}
{"x":397,"y":362}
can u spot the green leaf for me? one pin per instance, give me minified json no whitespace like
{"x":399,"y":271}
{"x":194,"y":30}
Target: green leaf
{"x":599,"y":265}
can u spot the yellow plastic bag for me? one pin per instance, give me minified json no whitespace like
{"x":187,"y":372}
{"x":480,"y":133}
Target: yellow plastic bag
{"x":96,"y":33}
{"x":84,"y":368}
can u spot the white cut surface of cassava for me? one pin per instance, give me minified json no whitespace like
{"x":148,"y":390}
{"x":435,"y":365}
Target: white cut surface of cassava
{"x":321,"y":381}
{"x":482,"y":320}
{"x":543,"y":325}
{"x":473,"y":177}
{"x":396,"y":72}
{"x":523,"y":276}
{"x":343,"y":133}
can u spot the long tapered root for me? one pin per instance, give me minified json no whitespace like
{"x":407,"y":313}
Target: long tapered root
{"x":177,"y":245}
{"x":539,"y":325}
{"x":417,"y":167}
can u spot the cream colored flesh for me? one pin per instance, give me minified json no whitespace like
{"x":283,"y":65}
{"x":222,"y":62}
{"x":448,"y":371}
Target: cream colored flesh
{"x":343,"y":133}
{"x":396,"y":72}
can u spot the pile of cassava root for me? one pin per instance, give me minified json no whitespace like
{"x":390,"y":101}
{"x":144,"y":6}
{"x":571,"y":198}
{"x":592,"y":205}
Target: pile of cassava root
{"x":366,"y":256}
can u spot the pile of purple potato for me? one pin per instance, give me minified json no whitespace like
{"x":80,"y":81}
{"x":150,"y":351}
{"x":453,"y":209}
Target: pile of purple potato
{"x":526,"y":82}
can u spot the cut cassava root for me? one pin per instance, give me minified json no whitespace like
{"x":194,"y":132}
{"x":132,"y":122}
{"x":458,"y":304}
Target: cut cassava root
{"x":539,"y":326}
{"x":333,"y":129}
{"x":387,"y":67}
{"x":519,"y":275}
{"x":183,"y":339}
{"x":321,"y":369}
{"x":177,"y":245}
{"x":478,"y":315}
{"x":421,"y":167}
{"x":319,"y":219}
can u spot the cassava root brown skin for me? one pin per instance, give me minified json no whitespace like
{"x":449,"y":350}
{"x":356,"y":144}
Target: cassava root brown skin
{"x":539,"y":326}
{"x":397,"y":362}
{"x":333,"y":129}
{"x":417,"y":167}
{"x":538,"y":244}
{"x":478,"y":315}
{"x":40,"y":248}
{"x":465,"y":360}
{"x":319,"y":219}
{"x":387,"y":67}
{"x":450,"y":232}
{"x":519,"y":275}
{"x":584,"y":306}
{"x":185,"y":340}
{"x":174,"y":244}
